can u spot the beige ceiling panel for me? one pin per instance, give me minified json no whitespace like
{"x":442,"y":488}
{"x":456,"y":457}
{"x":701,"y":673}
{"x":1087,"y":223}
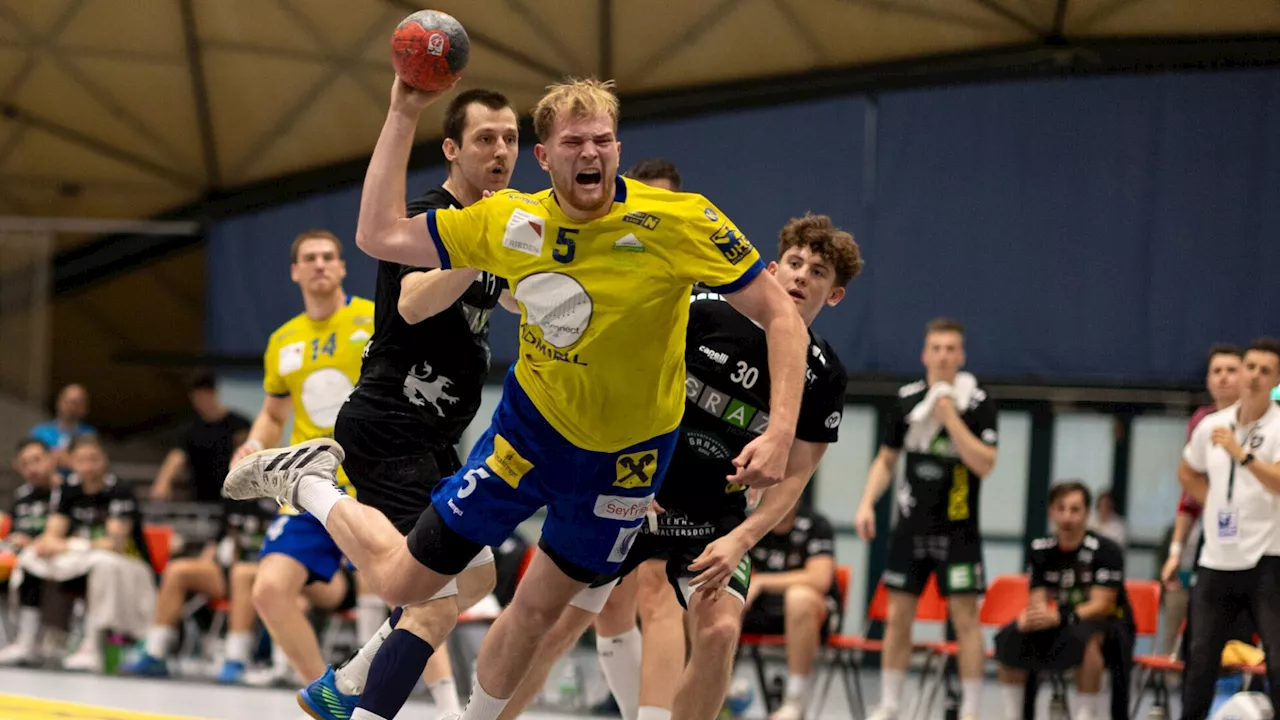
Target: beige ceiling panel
{"x":161,"y":94}
{"x":11,"y":61}
{"x":9,"y":34}
{"x":642,"y":28}
{"x":1175,"y":17}
{"x":344,"y":124}
{"x":40,"y":16}
{"x":865,"y":32}
{"x":249,"y":95}
{"x":51,"y":93}
{"x":249,"y":22}
{"x":340,"y":24}
{"x":146,"y":26}
{"x":44,"y":155}
{"x":752,"y":38}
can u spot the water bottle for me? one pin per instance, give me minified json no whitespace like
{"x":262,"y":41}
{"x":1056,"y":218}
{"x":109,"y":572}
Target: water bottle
{"x":741,"y":695}
{"x":1058,"y":709}
{"x":1227,"y":686}
{"x":571,"y":686}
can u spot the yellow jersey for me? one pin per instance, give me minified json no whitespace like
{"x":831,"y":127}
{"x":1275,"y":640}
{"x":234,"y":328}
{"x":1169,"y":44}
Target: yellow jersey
{"x":604,"y":303}
{"x":316,"y":363}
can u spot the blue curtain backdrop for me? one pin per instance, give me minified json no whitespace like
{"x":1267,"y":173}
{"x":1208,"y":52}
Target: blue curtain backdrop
{"x":1108,"y":228}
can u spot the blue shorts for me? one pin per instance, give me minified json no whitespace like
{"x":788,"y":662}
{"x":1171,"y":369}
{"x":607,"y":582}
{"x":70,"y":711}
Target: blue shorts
{"x":304,"y":539}
{"x":595,"y":501}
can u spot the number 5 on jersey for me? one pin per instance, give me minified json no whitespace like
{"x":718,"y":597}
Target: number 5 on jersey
{"x":564,"y":239}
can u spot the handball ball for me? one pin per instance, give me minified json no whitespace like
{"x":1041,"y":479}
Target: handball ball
{"x":429,"y":49}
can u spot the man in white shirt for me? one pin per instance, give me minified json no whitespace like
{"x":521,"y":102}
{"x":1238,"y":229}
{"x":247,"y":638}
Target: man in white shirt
{"x":1231,"y":466}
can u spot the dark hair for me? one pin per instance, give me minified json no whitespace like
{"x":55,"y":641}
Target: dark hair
{"x":86,"y":440}
{"x":200,"y":379}
{"x":313,"y":234}
{"x":1066,"y":487}
{"x":1266,"y":344}
{"x":655,"y":169}
{"x":823,"y":238}
{"x":943,"y":325}
{"x":455,"y":115}
{"x":1225,"y":349}
{"x":25,"y":443}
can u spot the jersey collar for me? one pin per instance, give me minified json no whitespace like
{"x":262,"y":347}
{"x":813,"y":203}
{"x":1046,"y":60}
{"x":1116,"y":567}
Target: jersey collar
{"x":619,"y":194}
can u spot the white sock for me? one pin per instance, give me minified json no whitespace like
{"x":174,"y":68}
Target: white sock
{"x":92,"y":642}
{"x":891,"y":682}
{"x":28,"y":627}
{"x":238,"y":647}
{"x":351,"y":677}
{"x":797,"y":687}
{"x":159,"y":640}
{"x":970,"y":697}
{"x":279,"y":660}
{"x":444,"y":693}
{"x":648,"y":712}
{"x":620,"y":659}
{"x":371,"y":612}
{"x":362,"y":714}
{"x":1088,"y":705}
{"x":317,"y":495}
{"x":483,"y":706}
{"x":1013,"y":695}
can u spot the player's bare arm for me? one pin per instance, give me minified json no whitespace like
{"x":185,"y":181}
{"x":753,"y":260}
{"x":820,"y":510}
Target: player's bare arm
{"x":509,"y":302}
{"x":977,"y":455}
{"x":1101,"y":604}
{"x":267,"y":428}
{"x":1195,"y":484}
{"x":717,"y":563}
{"x":763,"y":461}
{"x":424,"y":294}
{"x":382,"y":229}
{"x":878,"y":479}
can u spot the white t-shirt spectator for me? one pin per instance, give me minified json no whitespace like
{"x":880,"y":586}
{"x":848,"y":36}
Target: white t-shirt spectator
{"x":1242,"y":527}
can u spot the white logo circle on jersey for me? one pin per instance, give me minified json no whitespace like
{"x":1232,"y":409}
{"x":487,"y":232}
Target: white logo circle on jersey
{"x":556,"y":303}
{"x":833,"y":420}
{"x":323,"y":393}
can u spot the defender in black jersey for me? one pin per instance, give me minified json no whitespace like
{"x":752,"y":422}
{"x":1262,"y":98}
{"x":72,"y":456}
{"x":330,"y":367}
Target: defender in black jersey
{"x":33,"y":502}
{"x":419,"y":389}
{"x":1077,"y":614}
{"x":704,"y":531}
{"x":947,"y":426}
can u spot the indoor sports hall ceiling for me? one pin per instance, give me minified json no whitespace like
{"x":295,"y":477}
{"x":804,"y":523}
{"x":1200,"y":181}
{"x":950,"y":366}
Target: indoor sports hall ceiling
{"x":127,"y":108}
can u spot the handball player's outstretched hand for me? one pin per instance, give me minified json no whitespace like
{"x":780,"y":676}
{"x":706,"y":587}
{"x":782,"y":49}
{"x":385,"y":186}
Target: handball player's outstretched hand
{"x":763,"y":462}
{"x":405,"y":99}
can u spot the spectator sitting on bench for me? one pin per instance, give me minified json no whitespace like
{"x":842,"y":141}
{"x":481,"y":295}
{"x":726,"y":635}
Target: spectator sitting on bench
{"x":33,"y":503}
{"x":793,"y":593}
{"x":1077,"y":614}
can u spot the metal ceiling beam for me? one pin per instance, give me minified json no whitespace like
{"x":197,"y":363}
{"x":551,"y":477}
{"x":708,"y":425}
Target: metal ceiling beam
{"x":546,"y":33}
{"x":801,"y":31}
{"x":606,"y":38}
{"x":200,"y":93}
{"x":493,"y":45}
{"x":1059,"y":19}
{"x":695,"y":30}
{"x":57,"y":129}
{"x":930,"y":12}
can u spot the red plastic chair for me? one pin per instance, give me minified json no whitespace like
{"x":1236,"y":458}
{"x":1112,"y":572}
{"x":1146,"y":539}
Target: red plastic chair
{"x":159,"y":539}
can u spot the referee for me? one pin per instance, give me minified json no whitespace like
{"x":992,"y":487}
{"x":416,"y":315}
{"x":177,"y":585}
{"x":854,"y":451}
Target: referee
{"x":1231,"y":466}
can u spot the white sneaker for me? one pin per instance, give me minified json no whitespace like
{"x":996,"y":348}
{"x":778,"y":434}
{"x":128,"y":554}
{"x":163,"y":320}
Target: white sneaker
{"x":275,"y":473}
{"x":18,"y":653}
{"x":883,"y":713}
{"x":789,"y":710}
{"x":83,"y":661}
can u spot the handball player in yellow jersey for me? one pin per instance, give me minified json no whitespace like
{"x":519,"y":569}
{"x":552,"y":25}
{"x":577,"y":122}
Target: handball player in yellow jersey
{"x":602,"y":268}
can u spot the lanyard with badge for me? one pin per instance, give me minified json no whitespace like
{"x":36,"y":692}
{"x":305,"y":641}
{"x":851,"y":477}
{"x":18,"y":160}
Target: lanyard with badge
{"x":1229,"y":517}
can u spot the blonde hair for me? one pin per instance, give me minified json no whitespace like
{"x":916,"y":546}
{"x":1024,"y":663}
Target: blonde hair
{"x":578,"y":98}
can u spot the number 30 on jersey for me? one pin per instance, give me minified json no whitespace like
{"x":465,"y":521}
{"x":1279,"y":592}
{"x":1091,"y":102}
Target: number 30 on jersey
{"x":745,"y":375}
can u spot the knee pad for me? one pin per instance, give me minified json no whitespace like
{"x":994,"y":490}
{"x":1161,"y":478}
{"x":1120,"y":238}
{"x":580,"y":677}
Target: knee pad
{"x":439,"y":547}
{"x":593,"y":599}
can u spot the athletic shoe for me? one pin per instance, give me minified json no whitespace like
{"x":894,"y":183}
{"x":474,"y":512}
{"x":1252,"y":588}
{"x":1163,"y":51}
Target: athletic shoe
{"x":147,"y":666}
{"x":275,"y":473}
{"x":232,"y":673}
{"x":323,"y":701}
{"x":83,"y":660}
{"x":18,"y":653}
{"x":883,"y":713}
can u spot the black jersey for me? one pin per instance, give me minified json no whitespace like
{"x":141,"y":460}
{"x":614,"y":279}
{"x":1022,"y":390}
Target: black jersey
{"x":939,"y":494}
{"x":32,"y":507}
{"x":727,"y":405}
{"x":810,"y":536}
{"x":89,"y":513}
{"x":422,"y":382}
{"x":1068,"y":575}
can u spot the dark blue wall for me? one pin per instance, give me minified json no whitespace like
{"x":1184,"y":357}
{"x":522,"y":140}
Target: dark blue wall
{"x":1099,"y":228}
